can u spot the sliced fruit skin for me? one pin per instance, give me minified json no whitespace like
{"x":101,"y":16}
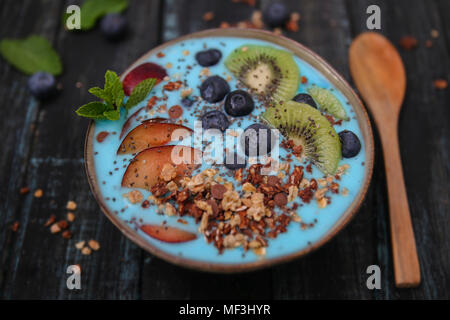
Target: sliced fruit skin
{"x":328,"y":102}
{"x":142,"y":72}
{"x":301,"y":122}
{"x":144,"y":170}
{"x":168,"y":234}
{"x":269,"y":62}
{"x":150,"y":134}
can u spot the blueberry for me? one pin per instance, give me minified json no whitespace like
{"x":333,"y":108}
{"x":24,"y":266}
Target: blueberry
{"x":239,"y":103}
{"x":214,"y":89}
{"x":350,"y":144}
{"x":208,"y":58}
{"x":234,"y":162}
{"x":113,"y":26}
{"x":253,"y":141}
{"x":186,"y":102}
{"x":305,"y":98}
{"x":276,"y":14}
{"x":42,"y":85}
{"x":215,"y":120}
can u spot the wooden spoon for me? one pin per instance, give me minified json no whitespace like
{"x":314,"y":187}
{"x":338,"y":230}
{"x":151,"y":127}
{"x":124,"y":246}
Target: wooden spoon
{"x":379,"y":75}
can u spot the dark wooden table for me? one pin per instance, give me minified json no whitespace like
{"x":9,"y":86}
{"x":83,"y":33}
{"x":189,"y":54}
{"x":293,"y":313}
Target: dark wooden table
{"x":43,"y":148}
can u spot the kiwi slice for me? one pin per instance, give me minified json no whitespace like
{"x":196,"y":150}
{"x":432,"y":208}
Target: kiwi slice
{"x":271,"y":73}
{"x":328,"y":102}
{"x":307,"y":127}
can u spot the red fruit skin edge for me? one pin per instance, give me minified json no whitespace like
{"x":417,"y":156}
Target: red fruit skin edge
{"x":142,"y":72}
{"x":168,"y":234}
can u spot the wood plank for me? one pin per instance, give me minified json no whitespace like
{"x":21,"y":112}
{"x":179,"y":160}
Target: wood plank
{"x":423,"y":130}
{"x":57,"y":167}
{"x":17,"y":126}
{"x":161,"y":280}
{"x":336,"y":271}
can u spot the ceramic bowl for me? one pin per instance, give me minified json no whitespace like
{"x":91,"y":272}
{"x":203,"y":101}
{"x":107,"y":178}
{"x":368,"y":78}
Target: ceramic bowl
{"x":214,"y":264}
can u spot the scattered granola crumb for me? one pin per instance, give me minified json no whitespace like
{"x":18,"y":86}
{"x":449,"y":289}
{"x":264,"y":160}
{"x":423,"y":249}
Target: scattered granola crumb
{"x":344,"y":192}
{"x":205,"y":72}
{"x":50,"y":220}
{"x":257,"y":19}
{"x":24,"y":190}
{"x":260,"y":251}
{"x":186,"y":92}
{"x":278,"y":31}
{"x":55,"y":228}
{"x":15,"y":226}
{"x":79,"y":245}
{"x":62,"y":224}
{"x":408,"y":42}
{"x":169,"y":65}
{"x":428,"y":43}
{"x":71,"y":205}
{"x":134,"y":196}
{"x":440,"y":84}
{"x":160,"y":55}
{"x":70,"y":216}
{"x":322,"y":203}
{"x":94,"y":245}
{"x":168,"y":172}
{"x":38,"y":193}
{"x":224,"y":25}
{"x":67,"y":234}
{"x":208,"y":16}
{"x":170,"y":210}
{"x":185,"y":52}
{"x":86,"y":251}
{"x":434,"y":33}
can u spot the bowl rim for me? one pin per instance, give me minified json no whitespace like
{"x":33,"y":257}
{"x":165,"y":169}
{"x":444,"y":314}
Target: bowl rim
{"x":318,"y":63}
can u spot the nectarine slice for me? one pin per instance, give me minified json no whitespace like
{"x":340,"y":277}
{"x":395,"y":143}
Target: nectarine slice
{"x":144,"y":170}
{"x":168,"y":234}
{"x":135,"y":118}
{"x":140,"y":73}
{"x":151,"y":134}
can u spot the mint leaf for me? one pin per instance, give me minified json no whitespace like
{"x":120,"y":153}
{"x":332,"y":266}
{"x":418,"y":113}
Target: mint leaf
{"x":140,"y":92}
{"x":31,"y":55}
{"x":113,"y":89}
{"x":112,"y":115}
{"x":99,"y":93}
{"x":92,"y":10}
{"x":93,"y":110}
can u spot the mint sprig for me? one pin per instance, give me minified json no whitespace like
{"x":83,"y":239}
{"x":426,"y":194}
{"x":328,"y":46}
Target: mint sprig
{"x":31,"y":55}
{"x":113,"y":98}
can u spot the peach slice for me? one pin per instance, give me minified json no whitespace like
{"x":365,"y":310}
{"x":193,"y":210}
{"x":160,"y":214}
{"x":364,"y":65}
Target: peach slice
{"x":151,"y":134}
{"x":144,"y":170}
{"x":168,"y":234}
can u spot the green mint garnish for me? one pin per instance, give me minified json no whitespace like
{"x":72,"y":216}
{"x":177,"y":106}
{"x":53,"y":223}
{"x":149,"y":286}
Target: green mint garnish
{"x":140,"y":92}
{"x":31,"y":55}
{"x":113,"y":95}
{"x":92,"y":10}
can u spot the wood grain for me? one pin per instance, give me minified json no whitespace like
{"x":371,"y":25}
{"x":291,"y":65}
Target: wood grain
{"x":379,"y":74}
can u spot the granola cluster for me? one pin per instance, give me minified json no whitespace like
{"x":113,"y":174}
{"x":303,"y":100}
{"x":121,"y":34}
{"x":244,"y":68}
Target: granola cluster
{"x":259,"y":208}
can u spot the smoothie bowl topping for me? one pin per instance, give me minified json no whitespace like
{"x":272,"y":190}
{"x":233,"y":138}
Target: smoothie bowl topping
{"x":233,"y":156}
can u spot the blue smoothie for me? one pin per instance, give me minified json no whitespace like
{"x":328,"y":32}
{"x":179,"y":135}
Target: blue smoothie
{"x":179,"y":61}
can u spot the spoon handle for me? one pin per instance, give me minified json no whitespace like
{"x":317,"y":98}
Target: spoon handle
{"x":406,"y":262}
